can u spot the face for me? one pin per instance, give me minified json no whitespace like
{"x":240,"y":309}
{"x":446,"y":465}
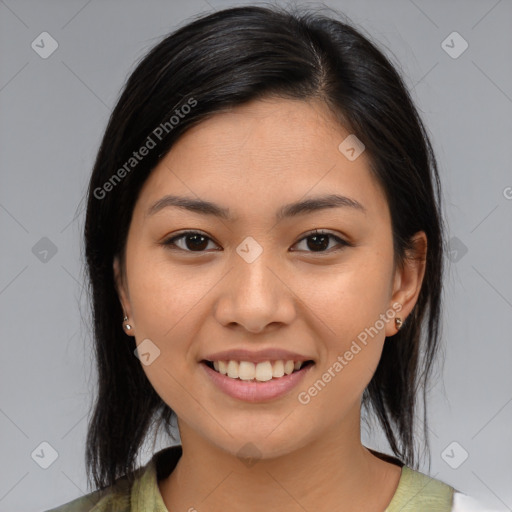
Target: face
{"x":258,"y":284}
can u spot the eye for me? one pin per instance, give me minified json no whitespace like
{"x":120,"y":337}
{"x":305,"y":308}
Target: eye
{"x":320,"y":241}
{"x":194,"y":241}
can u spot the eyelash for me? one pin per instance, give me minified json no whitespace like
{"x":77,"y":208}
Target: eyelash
{"x":170,"y":243}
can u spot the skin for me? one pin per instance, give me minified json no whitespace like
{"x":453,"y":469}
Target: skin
{"x":253,"y":160}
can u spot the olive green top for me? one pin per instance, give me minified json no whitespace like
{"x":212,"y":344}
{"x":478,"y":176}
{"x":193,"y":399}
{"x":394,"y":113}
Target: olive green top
{"x":416,"y":492}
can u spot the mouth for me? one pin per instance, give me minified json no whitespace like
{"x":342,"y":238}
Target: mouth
{"x":261,"y":381}
{"x":264,"y":371}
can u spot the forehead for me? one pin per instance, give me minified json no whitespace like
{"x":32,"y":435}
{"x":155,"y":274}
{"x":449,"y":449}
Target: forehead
{"x":271,"y":151}
{"x":268,"y":130}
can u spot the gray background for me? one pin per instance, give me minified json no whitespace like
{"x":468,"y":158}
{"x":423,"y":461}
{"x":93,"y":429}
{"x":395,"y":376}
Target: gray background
{"x":53,"y":113}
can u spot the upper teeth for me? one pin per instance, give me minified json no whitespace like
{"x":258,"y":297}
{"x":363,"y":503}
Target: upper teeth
{"x":245,"y":370}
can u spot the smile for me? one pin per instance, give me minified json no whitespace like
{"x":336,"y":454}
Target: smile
{"x":261,"y":372}
{"x":256,"y":382}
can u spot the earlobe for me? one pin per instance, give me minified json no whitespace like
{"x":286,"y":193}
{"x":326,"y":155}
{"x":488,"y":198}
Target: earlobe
{"x":408,"y":279}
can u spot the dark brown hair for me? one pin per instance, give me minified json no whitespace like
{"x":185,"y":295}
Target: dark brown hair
{"x":222,"y":60}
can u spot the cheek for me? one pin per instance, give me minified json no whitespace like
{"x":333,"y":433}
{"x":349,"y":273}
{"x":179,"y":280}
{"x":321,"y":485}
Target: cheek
{"x":348,"y":299}
{"x":164,"y":298}
{"x":350,"y":304}
{"x":163,"y":302}
{"x":165,"y":305}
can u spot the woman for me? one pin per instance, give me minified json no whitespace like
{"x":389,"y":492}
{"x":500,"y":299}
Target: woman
{"x":264,"y":243}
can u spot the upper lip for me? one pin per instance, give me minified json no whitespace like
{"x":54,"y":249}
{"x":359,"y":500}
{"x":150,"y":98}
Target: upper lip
{"x":258,"y":356}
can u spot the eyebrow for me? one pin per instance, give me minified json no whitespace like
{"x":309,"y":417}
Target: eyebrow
{"x":289,"y":210}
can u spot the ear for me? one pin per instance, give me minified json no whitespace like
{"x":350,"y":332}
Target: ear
{"x":408,"y":279}
{"x":121,"y":287}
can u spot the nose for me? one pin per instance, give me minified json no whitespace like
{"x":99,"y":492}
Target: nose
{"x":255,"y":296}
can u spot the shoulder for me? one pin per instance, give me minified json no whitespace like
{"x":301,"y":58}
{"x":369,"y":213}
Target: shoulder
{"x":136,"y":494}
{"x":417,"y":491}
{"x":116,"y":498}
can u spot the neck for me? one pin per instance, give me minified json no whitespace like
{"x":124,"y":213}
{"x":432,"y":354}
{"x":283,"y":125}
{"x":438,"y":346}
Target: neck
{"x":334,"y":472}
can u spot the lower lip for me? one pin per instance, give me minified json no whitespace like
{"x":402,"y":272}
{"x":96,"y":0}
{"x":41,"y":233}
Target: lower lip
{"x":253,"y":391}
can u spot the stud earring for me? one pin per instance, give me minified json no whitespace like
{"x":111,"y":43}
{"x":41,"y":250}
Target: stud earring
{"x":128,"y":327}
{"x":398,"y":323}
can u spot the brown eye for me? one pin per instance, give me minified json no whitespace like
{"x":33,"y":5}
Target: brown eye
{"x":191,"y":241}
{"x":320,"y":241}
{"x":195,"y":241}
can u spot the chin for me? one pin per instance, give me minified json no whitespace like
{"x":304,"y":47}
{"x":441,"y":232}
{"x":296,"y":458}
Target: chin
{"x":250,"y":445}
